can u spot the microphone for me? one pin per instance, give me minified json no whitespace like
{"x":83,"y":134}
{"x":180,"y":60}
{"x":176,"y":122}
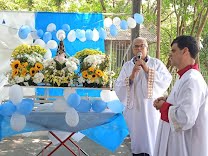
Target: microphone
{"x":139,"y":55}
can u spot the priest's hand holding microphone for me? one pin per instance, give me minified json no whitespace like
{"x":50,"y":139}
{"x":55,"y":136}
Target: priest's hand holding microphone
{"x":139,"y":63}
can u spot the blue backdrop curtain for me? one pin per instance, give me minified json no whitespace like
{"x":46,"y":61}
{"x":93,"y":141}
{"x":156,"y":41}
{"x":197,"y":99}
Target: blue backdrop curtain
{"x":82,"y":21}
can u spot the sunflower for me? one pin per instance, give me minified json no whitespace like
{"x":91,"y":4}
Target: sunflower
{"x":24,"y":64}
{"x":91,"y":69}
{"x":33,"y":71}
{"x":84,"y":74}
{"x":94,"y":76}
{"x":38,"y":66}
{"x":14,"y":72}
{"x":24,"y":72}
{"x":15,"y":64}
{"x":99,"y":73}
{"x":89,"y":77}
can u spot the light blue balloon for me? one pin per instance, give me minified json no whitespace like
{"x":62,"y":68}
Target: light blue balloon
{"x":40,"y":33}
{"x":102,"y":33}
{"x":113,"y":30}
{"x":89,"y":34}
{"x":124,"y":25}
{"x":66,"y":27}
{"x":138,"y":18}
{"x":99,"y":106}
{"x":84,"y":106}
{"x":73,"y":100}
{"x":54,"y":35}
{"x":25,"y":107}
{"x":24,"y":31}
{"x":115,"y":106}
{"x":7,"y":108}
{"x":47,"y":37}
{"x":79,"y":34}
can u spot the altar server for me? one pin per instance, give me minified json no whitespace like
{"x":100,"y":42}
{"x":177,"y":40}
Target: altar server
{"x":140,"y":82}
{"x":183,"y":129}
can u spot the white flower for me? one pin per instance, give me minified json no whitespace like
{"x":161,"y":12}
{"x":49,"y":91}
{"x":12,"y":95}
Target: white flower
{"x":38,"y":78}
{"x":73,"y":59}
{"x":27,"y":77}
{"x":26,"y":83}
{"x":71,"y":81}
{"x":18,"y":79}
{"x":81,"y":80}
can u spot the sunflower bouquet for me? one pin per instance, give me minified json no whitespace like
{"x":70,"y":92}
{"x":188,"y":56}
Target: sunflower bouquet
{"x":95,"y":71}
{"x":26,"y":65}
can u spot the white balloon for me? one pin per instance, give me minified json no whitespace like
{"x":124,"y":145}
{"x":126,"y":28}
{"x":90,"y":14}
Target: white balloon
{"x":48,"y":54}
{"x":18,"y":122}
{"x":15,"y":94}
{"x":113,"y":96}
{"x":60,"y":105}
{"x":52,"y":44}
{"x":68,"y":91}
{"x":60,"y":35}
{"x":95,"y":35}
{"x":72,"y":117}
{"x":39,"y":42}
{"x":107,"y":22}
{"x":105,"y":95}
{"x":71,"y":36}
{"x":51,"y":27}
{"x":116,"y":21}
{"x":83,"y":39}
{"x":131,"y":22}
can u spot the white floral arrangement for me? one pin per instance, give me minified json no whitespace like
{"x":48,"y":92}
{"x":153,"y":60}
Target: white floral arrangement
{"x":94,"y":60}
{"x":26,"y":65}
{"x":60,"y":71}
{"x":95,"y":71}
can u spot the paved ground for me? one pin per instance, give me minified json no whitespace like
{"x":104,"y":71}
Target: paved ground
{"x":31,"y":145}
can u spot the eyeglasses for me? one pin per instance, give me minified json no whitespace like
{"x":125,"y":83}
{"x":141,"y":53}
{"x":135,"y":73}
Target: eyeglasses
{"x":142,"y":46}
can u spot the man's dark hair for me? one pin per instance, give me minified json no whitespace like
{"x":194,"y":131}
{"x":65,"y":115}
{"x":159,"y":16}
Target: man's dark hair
{"x":189,"y":42}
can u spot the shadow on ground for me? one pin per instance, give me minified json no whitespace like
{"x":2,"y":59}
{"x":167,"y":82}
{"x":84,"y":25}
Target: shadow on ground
{"x":29,"y":146}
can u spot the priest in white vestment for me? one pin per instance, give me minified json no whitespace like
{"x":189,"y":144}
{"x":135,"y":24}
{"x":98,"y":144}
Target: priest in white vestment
{"x":183,"y":129}
{"x":141,"y":81}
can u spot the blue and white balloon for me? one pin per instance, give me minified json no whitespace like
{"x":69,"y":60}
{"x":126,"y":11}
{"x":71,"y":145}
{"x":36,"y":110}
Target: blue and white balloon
{"x":66,"y":27}
{"x":47,"y":37}
{"x":99,"y":106}
{"x":72,"y":117}
{"x":15,"y":94}
{"x":18,"y":122}
{"x":73,"y":100}
{"x":138,"y":18}
{"x":115,"y":106}
{"x":51,"y":27}
{"x":25,"y":107}
{"x":84,"y":106}
{"x":113,"y":30}
{"x":124,"y":25}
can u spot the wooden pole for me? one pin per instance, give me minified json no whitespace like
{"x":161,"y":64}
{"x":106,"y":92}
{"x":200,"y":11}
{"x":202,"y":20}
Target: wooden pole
{"x":158,"y":28}
{"x":136,"y":8}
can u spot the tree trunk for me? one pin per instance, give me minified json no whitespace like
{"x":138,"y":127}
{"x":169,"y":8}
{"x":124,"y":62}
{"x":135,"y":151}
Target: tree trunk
{"x":135,"y":32}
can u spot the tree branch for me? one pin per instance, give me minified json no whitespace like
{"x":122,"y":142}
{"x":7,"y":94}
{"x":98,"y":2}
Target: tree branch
{"x":167,"y":16}
{"x":103,"y":5}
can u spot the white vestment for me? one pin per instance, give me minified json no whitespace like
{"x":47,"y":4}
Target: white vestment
{"x":186,"y":134}
{"x":141,"y":117}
